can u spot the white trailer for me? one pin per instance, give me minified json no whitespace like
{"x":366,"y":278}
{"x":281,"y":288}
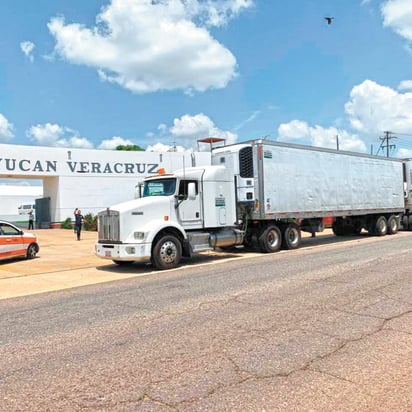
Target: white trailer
{"x":259,"y":194}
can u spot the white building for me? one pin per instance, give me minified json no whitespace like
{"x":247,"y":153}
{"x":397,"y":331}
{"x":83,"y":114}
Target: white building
{"x":91,"y":180}
{"x":13,"y":196}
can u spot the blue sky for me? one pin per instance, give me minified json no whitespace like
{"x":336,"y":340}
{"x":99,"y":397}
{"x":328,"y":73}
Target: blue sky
{"x":158,"y":73}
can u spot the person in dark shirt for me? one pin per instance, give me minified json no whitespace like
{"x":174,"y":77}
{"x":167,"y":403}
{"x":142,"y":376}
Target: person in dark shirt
{"x":31,"y":220}
{"x":78,"y":221}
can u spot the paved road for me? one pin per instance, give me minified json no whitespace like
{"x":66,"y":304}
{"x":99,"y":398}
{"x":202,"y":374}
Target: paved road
{"x":317,"y":329}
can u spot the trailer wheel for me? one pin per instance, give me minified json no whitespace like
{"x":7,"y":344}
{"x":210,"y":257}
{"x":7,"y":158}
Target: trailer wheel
{"x":381,"y":226}
{"x":393,"y":225}
{"x":340,"y":229}
{"x":291,"y":236}
{"x":405,"y":222}
{"x":167,"y":252}
{"x":270,"y":240}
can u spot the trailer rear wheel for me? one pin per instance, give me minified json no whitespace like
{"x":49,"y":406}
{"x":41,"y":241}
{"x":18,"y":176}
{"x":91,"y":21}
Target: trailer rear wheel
{"x":167,"y":252}
{"x":393,"y":225}
{"x":291,"y":236}
{"x":381,"y":226}
{"x":270,"y":239}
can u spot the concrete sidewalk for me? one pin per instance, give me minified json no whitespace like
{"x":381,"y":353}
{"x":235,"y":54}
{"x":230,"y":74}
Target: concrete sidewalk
{"x":63,"y":262}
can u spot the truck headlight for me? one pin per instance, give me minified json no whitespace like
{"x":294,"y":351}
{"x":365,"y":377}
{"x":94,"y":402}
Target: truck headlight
{"x":139,"y":235}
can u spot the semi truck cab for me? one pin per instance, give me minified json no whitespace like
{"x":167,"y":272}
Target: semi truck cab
{"x":169,"y":218}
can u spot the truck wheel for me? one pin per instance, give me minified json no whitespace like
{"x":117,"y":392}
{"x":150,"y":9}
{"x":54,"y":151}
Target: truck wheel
{"x":338,"y":229}
{"x":270,"y":239}
{"x":393,"y":225}
{"x":381,"y":226}
{"x":291,"y":236}
{"x":167,"y":252}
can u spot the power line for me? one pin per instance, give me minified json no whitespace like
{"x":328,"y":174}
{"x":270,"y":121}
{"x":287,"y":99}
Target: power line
{"x":402,"y":134}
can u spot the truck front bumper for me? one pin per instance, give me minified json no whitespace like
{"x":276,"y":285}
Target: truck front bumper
{"x":127,"y":252}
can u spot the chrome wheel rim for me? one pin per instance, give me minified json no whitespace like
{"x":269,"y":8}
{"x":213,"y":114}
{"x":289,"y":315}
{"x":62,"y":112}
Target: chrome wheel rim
{"x":168,"y":252}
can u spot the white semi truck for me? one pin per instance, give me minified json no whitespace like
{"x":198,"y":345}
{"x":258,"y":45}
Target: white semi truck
{"x":259,"y":194}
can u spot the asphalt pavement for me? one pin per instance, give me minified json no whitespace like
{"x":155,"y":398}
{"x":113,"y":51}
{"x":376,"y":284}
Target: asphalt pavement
{"x":326,"y":327}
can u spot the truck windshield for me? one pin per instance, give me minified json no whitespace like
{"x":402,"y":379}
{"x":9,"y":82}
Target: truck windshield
{"x":159,"y":187}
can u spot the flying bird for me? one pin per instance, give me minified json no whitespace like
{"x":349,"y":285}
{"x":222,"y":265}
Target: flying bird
{"x":329,"y":19}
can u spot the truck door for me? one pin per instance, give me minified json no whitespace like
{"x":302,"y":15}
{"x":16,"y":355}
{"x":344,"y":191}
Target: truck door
{"x":189,"y":210}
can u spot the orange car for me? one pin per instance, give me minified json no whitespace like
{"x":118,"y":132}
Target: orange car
{"x":15,"y":243}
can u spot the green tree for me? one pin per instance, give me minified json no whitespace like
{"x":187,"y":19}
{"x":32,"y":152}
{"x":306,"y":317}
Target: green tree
{"x":129,"y":148}
{"x":90,"y":222}
{"x":67,"y":224}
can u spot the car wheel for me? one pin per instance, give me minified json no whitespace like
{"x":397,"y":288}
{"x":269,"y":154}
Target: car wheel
{"x":31,"y":251}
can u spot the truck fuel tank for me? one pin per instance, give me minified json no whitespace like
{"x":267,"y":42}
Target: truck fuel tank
{"x":226,"y":238}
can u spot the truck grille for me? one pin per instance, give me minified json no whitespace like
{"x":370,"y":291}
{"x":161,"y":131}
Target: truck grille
{"x":109,"y":226}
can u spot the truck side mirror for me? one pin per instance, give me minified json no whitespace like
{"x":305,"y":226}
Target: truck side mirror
{"x":191,"y":191}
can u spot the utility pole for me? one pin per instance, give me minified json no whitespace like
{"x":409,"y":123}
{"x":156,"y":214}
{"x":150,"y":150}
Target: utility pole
{"x":337,"y":142}
{"x":388,"y":136}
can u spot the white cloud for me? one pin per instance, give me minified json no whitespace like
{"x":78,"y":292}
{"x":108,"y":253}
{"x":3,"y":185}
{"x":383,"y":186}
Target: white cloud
{"x":6,"y":129}
{"x":111,"y":144}
{"x":57,"y":136}
{"x":218,"y":12}
{"x":373,"y":108}
{"x":146,"y":46}
{"x":294,"y":130}
{"x":161,"y":147}
{"x":397,"y":14}
{"x":319,"y":136}
{"x":405,"y":85}
{"x":187,"y":130}
{"x":27,"y":48}
{"x":404,"y":153}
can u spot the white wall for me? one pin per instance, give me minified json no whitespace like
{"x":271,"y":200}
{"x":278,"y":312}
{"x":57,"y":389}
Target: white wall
{"x":88,"y":179}
{"x":11,"y":197}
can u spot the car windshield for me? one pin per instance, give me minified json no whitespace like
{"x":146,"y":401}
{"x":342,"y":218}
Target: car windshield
{"x":159,"y":187}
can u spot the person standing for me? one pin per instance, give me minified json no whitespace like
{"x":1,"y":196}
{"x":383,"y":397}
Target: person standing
{"x":74,"y":213}
{"x":78,"y":221}
{"x":31,"y":220}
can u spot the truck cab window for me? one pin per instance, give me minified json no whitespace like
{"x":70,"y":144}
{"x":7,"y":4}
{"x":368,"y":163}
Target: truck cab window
{"x":159,"y":187}
{"x":183,"y":188}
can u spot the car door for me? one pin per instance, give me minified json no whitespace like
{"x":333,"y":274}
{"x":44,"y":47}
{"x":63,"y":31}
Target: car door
{"x":11,"y":241}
